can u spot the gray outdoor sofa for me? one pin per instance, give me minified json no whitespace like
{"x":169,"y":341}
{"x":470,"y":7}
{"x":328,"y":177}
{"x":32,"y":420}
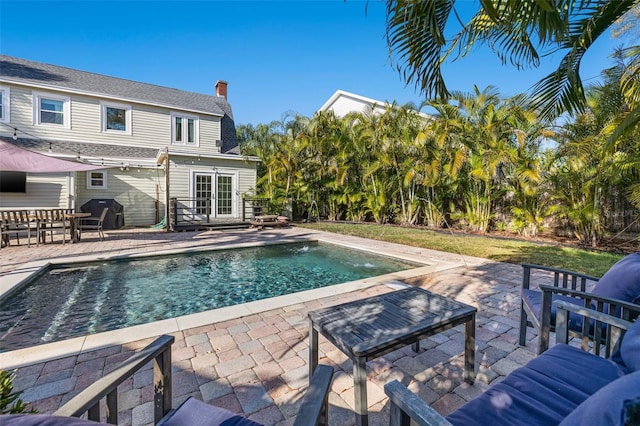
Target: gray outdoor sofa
{"x":565,"y":385}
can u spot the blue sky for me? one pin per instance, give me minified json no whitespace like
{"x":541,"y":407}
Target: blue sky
{"x":277,"y":56}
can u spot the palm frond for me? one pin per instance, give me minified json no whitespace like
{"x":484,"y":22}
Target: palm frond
{"x":624,"y":128}
{"x":415,"y":32}
{"x":562,"y":90}
{"x":515,"y":29}
{"x":630,"y":78}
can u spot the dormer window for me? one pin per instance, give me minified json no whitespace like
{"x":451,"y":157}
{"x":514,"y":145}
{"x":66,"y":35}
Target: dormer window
{"x":51,"y":110}
{"x":116,"y":118}
{"x":184,"y":129}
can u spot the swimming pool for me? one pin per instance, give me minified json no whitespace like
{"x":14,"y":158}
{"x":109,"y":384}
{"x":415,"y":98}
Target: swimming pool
{"x":79,"y":299}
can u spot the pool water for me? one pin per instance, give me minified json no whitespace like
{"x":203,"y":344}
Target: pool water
{"x":79,"y":299}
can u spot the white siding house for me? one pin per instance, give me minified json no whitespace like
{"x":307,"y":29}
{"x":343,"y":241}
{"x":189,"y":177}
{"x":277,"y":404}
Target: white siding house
{"x":342,"y":103}
{"x":132,"y":129}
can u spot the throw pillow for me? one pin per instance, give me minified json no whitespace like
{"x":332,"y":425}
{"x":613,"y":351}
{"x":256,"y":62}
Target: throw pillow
{"x":617,"y":404}
{"x":630,"y":348}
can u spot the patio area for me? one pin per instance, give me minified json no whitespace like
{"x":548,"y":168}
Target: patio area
{"x":256,"y":364}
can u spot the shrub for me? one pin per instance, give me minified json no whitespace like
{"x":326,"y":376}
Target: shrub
{"x":10,"y":402}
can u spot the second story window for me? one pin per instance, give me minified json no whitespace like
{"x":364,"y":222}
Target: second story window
{"x":116,"y":118}
{"x":51,"y":110}
{"x":4,"y":104}
{"x":184,"y":129}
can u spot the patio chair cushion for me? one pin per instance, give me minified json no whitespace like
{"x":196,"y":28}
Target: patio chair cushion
{"x":542,"y":392}
{"x":622,"y":280}
{"x":194,"y":412}
{"x":617,"y":403}
{"x":533,"y":298}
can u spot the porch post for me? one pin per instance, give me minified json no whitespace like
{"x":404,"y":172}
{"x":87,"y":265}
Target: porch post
{"x":73,"y":190}
{"x":167,"y":197}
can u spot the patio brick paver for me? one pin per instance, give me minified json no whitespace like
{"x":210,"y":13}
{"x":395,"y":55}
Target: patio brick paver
{"x":257,"y":365}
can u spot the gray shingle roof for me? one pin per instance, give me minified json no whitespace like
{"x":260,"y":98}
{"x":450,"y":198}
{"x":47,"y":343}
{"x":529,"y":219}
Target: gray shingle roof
{"x":84,"y":149}
{"x":23,"y":71}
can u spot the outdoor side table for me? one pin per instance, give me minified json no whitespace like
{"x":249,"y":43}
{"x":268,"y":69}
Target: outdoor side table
{"x":369,"y":328}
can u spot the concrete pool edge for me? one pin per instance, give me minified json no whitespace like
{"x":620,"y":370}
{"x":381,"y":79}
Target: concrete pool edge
{"x":88,"y":343}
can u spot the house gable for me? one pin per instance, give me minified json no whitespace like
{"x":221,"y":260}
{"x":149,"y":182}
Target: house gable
{"x":342,"y":103}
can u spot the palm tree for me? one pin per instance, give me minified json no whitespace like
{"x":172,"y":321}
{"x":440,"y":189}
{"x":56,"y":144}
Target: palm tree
{"x":375,"y":151}
{"x":443,"y":157}
{"x":262,"y":142}
{"x":519,"y":32}
{"x":326,"y":173}
{"x":488,"y":133}
{"x":399,"y":127}
{"x":590,"y":177}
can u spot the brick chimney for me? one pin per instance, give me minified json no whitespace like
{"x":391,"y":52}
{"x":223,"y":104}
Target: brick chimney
{"x":221,"y":88}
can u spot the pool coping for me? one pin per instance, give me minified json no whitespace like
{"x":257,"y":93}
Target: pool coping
{"x":77,"y":345}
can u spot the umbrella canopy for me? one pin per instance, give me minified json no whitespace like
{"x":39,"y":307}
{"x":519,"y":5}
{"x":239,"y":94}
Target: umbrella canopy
{"x":16,"y":159}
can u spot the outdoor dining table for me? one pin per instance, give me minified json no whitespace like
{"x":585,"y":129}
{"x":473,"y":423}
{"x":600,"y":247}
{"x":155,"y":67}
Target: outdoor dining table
{"x":74,"y":224}
{"x":368,"y":328}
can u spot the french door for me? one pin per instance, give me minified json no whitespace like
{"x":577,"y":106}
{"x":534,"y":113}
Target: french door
{"x":214,"y":194}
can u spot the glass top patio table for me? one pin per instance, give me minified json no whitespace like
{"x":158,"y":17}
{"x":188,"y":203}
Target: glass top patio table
{"x":368,"y":328}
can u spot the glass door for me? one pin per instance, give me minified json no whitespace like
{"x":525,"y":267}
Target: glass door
{"x":224,"y":198}
{"x":203,"y":194}
{"x":214,"y":195}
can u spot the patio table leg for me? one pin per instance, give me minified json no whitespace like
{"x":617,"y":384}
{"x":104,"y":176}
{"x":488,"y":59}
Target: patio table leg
{"x":470,"y":350}
{"x":74,"y":229}
{"x":360,"y":390}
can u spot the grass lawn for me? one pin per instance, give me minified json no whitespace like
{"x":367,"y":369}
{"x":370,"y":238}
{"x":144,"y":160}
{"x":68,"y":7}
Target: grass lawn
{"x":500,"y":249}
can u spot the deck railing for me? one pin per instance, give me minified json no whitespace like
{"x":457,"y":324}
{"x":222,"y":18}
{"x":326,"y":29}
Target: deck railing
{"x":254,"y":206}
{"x":189,"y":210}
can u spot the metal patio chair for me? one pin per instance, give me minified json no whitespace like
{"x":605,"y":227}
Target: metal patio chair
{"x":94,"y":223}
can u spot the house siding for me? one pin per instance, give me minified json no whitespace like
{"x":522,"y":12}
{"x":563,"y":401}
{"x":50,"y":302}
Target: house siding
{"x":44,"y":190}
{"x":344,"y":105}
{"x":134,"y":189}
{"x":150,"y":126}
